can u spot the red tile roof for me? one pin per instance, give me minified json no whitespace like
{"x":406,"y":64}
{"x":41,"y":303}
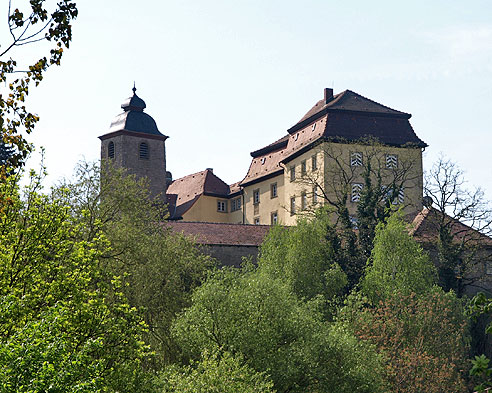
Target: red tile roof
{"x":189,"y":188}
{"x":425,"y":228}
{"x":347,"y":117}
{"x":221,"y":234}
{"x":351,"y":101}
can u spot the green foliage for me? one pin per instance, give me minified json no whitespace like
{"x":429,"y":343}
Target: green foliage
{"x":258,"y":317}
{"x":158,"y":267}
{"x":304,"y":258}
{"x":397,"y":263}
{"x":424,"y":339}
{"x":481,"y":305}
{"x":28,"y":26}
{"x":215,"y":373}
{"x":64,"y":323}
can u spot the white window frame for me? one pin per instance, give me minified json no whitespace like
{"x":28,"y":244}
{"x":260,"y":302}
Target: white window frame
{"x":221,"y":206}
{"x":256,"y":196}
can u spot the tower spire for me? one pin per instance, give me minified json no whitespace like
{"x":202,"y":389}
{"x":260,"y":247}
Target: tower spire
{"x":134,"y":88}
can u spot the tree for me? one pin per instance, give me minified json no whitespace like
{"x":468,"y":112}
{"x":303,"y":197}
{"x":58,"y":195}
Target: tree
{"x":26,"y":28}
{"x":397,"y":263}
{"x":259,"y":318}
{"x":461,"y":220}
{"x":215,"y":373}
{"x":65,"y":324}
{"x":381,"y":189}
{"x":304,"y":258}
{"x":423,"y":339}
{"x":158,"y":267}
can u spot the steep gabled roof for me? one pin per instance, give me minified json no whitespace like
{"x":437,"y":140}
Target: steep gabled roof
{"x":425,"y":228}
{"x":345,"y":117}
{"x":350,"y":101}
{"x":189,"y":188}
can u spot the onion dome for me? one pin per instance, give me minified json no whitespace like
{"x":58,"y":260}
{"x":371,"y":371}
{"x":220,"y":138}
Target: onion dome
{"x":133,"y":118}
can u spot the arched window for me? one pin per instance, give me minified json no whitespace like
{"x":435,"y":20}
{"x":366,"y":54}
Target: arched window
{"x":144,"y":151}
{"x":111,"y":149}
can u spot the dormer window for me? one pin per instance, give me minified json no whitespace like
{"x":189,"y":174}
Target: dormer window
{"x":111,"y":149}
{"x":144,"y":151}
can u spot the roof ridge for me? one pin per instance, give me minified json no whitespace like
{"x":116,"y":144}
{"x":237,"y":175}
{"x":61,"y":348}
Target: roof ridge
{"x":191,"y":174}
{"x":375,"y":102}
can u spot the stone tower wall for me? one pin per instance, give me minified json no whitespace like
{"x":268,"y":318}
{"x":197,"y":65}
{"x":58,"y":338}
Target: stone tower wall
{"x":127,"y":155}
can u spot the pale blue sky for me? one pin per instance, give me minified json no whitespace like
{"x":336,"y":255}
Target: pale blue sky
{"x":223,"y":78}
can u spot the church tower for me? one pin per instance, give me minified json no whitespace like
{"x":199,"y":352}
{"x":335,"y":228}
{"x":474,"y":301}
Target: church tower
{"x":135,"y":143}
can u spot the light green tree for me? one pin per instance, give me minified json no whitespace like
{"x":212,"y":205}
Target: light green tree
{"x":397,"y":263}
{"x":159,"y":268}
{"x":65,"y":325}
{"x":259,"y":318}
{"x":28,"y":24}
{"x":304,"y":258}
{"x":215,"y":373}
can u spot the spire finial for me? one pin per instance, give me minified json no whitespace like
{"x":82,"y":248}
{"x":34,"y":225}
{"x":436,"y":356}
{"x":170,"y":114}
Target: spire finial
{"x":134,"y":88}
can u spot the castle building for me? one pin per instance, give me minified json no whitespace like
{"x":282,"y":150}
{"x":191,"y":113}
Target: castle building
{"x":321,"y":159}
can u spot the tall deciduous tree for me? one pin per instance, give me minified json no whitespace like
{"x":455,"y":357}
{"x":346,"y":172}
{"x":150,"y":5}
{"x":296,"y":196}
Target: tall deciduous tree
{"x":304,"y":257}
{"x":158,"y":267}
{"x":260,"y":318}
{"x":423,"y":339}
{"x":64,"y":323}
{"x":461,"y":219}
{"x":397,"y":263}
{"x":27,"y":26}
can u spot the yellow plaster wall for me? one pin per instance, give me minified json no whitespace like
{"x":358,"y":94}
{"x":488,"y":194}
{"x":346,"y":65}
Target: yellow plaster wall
{"x":267,"y":204}
{"x":409,"y":160}
{"x":205,"y":210}
{"x":302,"y":184}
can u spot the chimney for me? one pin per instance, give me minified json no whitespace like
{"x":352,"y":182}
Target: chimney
{"x":328,"y":95}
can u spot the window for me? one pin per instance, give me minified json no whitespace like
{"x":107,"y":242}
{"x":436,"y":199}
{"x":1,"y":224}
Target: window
{"x":315,"y":195}
{"x":292,"y":206}
{"x":314,"y":163}
{"x":303,"y":168}
{"x":144,"y":151}
{"x":292,"y":173}
{"x":257,"y":220}
{"x":356,"y":158}
{"x":274,"y":218}
{"x":303,"y":201}
{"x":388,"y":195}
{"x":256,"y":196}
{"x":222,"y":206}
{"x":273,"y":190}
{"x":488,"y":268}
{"x":236,"y":204}
{"x":356,"y":190}
{"x":111,"y":149}
{"x":391,"y":161}
{"x":354,"y":222}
